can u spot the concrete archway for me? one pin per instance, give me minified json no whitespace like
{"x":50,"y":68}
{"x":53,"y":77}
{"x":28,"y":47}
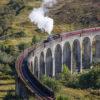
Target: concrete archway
{"x":36,"y":66}
{"x":96,"y":48}
{"x":86,"y":53}
{"x":58,"y":60}
{"x":42,"y":65}
{"x":49,"y":63}
{"x":76,"y":56}
{"x":67,"y":55}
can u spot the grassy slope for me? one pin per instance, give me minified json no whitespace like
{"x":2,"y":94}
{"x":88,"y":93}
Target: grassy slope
{"x":78,"y":94}
{"x":6,"y":85}
{"x":60,"y":12}
{"x":22,"y":23}
{"x":67,"y":14}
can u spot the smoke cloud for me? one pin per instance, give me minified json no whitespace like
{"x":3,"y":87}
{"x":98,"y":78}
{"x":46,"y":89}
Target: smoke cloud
{"x":38,"y":16}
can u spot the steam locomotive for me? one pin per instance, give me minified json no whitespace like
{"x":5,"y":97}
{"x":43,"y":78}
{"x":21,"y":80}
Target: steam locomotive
{"x":52,"y":37}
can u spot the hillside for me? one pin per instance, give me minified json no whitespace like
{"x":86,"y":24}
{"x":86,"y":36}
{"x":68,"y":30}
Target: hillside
{"x":18,"y":33}
{"x":74,"y":14}
{"x":77,"y":14}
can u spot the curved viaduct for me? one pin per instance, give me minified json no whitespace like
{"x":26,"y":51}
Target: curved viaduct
{"x":77,"y":50}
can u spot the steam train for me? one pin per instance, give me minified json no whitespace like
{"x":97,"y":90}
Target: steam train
{"x":52,"y":37}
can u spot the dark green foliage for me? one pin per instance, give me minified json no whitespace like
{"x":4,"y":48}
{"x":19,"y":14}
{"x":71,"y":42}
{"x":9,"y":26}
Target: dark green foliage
{"x":7,"y":63}
{"x":8,"y":55}
{"x":23,"y":46}
{"x":11,"y":96}
{"x":8,"y":13}
{"x":68,"y":79}
{"x":34,"y":39}
{"x":62,"y":97}
{"x":16,"y":5}
{"x":73,"y":81}
{"x":90,"y":79}
{"x":12,"y":50}
{"x":6,"y":58}
{"x":51,"y":83}
{"x":8,"y":96}
{"x":2,"y":47}
{"x":65,"y":75}
{"x":19,"y":34}
{"x":5,"y":68}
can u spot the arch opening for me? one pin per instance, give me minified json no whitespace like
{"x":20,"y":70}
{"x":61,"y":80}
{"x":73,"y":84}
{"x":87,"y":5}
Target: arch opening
{"x":58,"y":60}
{"x":67,"y":55}
{"x":96,"y":49}
{"x":86,"y":53}
{"x":36,"y":66}
{"x":49,"y":63}
{"x":76,"y":56}
{"x":42,"y":65}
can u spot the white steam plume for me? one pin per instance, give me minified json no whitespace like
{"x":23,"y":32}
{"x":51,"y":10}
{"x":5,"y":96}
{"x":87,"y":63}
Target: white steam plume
{"x":38,"y":16}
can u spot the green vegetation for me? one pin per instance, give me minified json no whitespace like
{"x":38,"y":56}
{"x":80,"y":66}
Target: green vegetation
{"x":81,"y":86}
{"x":62,"y":97}
{"x":87,"y":79}
{"x":23,"y":46}
{"x":77,"y":94}
{"x":51,"y":83}
{"x":90,"y":79}
{"x":18,"y":33}
{"x":35,"y":39}
{"x":7,"y":84}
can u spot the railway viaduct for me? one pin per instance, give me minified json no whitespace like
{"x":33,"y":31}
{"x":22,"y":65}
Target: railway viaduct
{"x":77,"y":50}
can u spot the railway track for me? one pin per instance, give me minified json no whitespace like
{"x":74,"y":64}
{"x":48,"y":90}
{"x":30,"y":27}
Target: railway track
{"x":30,"y":81}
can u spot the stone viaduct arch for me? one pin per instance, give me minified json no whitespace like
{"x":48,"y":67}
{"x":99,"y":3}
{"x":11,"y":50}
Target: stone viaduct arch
{"x":42,"y":64}
{"x":49,"y":63}
{"x":76,"y":56}
{"x":36,"y":66}
{"x":86,"y":48}
{"x":58,"y":60}
{"x":67,"y":55}
{"x":76,"y":51}
{"x":96,"y":48}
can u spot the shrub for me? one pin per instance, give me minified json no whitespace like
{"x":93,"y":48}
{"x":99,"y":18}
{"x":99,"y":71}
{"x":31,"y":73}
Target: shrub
{"x":97,"y":84}
{"x":90,"y":79}
{"x":6,"y":69}
{"x":73,"y":81}
{"x":8,"y":96}
{"x":62,"y":97}
{"x":23,"y":46}
{"x":20,"y":34}
{"x":65,"y":74}
{"x":65,"y":70}
{"x":68,"y":79}
{"x":11,"y":50}
{"x":6,"y":58}
{"x":51,"y":83}
{"x":34,"y":39}
{"x":11,"y":96}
